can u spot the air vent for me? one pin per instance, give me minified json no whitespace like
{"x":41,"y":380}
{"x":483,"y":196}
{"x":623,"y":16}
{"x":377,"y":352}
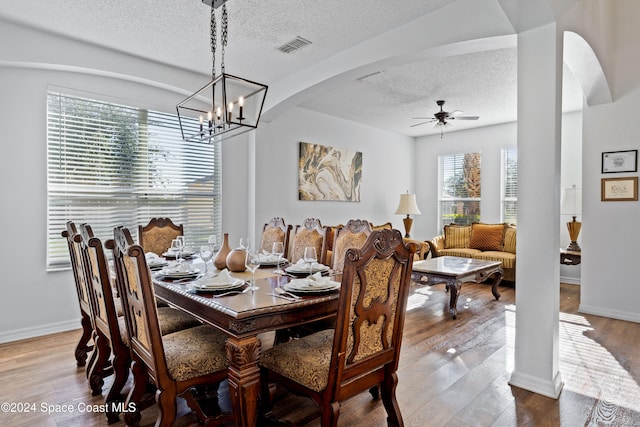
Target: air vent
{"x":294,"y":45}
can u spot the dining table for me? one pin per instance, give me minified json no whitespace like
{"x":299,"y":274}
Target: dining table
{"x":242,"y":316}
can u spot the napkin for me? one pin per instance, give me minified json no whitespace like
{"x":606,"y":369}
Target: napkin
{"x":178,"y":267}
{"x":301,"y":265}
{"x":152,"y":256}
{"x":314,"y":281}
{"x":267,"y":257}
{"x":223,"y":278}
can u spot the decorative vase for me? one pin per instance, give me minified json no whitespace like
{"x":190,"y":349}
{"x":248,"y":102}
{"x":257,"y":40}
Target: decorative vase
{"x":220,"y":261}
{"x":235,"y":260}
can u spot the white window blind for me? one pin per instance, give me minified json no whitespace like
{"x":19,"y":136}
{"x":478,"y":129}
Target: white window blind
{"x":460,"y":190}
{"x":112,"y":165}
{"x":510,"y":185}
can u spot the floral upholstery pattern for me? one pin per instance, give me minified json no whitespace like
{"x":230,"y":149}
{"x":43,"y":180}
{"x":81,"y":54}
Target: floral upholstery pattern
{"x":172,"y":320}
{"x":301,"y":240}
{"x":343,"y":242}
{"x":194,"y":352}
{"x":158,"y":240}
{"x":305,"y":360}
{"x":271,"y":235}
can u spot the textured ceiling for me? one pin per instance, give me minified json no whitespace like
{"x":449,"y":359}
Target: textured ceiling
{"x":176,"y":32}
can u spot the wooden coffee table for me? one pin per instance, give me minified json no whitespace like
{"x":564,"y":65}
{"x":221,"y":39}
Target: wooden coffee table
{"x":454,"y":271}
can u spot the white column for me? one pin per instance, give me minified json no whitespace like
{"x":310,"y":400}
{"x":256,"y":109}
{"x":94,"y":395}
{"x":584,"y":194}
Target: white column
{"x":536,"y":364}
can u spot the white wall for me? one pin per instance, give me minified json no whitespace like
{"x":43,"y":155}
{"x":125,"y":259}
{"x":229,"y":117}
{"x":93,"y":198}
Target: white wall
{"x":387,"y":169}
{"x":35,"y":302}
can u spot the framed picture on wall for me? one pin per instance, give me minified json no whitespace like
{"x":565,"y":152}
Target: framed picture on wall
{"x":619,"y":189}
{"x":620,"y":161}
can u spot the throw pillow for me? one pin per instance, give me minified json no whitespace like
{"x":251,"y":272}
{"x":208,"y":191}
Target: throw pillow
{"x":487,"y":237}
{"x":456,"y":236}
{"x":510,"y":239}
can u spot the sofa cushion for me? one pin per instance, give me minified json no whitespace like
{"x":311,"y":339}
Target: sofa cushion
{"x":457,"y":236}
{"x":385,"y":226}
{"x":487,"y":237}
{"x":508,"y":259}
{"x":510,"y":239}
{"x":461,"y":252}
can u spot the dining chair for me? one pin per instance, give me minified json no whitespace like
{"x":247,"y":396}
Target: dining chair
{"x":363,"y":350}
{"x":275,"y":231}
{"x":352,"y":235}
{"x":84,"y":346}
{"x":309,"y":233}
{"x":175,"y":363}
{"x":110,"y":334}
{"x":157,"y":235}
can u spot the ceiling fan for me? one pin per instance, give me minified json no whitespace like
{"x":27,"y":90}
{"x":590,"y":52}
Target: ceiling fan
{"x":442,"y":117}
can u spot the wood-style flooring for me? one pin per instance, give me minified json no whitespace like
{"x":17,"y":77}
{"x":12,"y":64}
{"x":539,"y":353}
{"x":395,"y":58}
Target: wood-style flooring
{"x":452,"y":372}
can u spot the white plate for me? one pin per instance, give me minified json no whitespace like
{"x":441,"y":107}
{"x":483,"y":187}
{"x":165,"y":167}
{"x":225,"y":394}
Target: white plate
{"x":274,"y":262}
{"x":185,"y":254}
{"x":178,"y":274}
{"x":304,"y":269}
{"x":208,"y":287}
{"x":302,"y":285}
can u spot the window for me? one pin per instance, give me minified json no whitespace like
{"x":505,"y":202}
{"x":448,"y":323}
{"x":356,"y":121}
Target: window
{"x":510,"y":185}
{"x":111,"y":165}
{"x":459,"y":188}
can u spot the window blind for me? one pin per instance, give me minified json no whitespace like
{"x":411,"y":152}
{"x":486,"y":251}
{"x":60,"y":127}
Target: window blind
{"x":111,"y":165}
{"x":460,"y":188}
{"x":510,"y":185}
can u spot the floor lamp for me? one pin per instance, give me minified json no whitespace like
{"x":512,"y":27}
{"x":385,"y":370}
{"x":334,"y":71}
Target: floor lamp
{"x":571,"y":204}
{"x":407,"y":206}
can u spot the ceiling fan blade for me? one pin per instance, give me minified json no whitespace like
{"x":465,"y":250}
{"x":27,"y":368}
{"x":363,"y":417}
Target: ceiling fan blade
{"x":422,"y":118}
{"x":420,"y":124}
{"x":456,"y":112}
{"x":464,"y":118}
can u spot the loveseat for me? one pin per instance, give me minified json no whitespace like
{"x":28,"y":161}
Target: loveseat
{"x":492,"y":242}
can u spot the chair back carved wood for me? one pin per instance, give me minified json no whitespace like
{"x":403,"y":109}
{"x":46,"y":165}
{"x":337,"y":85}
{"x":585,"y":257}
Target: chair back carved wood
{"x":84,"y":346}
{"x":275,"y":231}
{"x":157,"y":235}
{"x":310,"y":233}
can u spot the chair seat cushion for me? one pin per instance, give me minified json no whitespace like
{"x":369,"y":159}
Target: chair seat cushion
{"x":195,"y":352}
{"x":172,"y":320}
{"x":305,"y":360}
{"x":507,"y":258}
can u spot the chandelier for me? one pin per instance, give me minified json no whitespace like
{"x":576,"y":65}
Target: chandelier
{"x":225,"y":107}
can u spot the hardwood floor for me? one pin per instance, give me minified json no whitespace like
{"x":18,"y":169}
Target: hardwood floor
{"x":452,"y":372}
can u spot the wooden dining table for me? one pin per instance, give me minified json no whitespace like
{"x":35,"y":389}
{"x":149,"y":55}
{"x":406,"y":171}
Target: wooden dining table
{"x":242,"y":317}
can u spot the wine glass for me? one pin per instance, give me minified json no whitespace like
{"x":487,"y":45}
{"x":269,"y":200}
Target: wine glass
{"x":310,"y":257}
{"x":176,"y":246}
{"x":278,"y":250}
{"x":206,"y":253}
{"x":252,"y":262}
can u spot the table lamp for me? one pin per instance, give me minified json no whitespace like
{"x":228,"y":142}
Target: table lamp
{"x":571,"y":204}
{"x":407,"y":206}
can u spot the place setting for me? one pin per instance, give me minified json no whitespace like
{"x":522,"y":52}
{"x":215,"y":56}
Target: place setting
{"x":178,"y":271}
{"x":307,"y":265}
{"x":220,"y":284}
{"x":311,"y":285}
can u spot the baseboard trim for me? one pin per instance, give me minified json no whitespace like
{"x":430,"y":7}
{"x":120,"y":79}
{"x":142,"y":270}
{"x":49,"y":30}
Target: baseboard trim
{"x":606,"y":312}
{"x":550,"y":389}
{"x":570,"y":280}
{"x":38,"y":331}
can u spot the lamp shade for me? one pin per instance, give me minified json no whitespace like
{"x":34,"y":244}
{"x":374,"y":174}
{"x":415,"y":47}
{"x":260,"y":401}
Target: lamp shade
{"x":571,"y":201}
{"x":408,"y":205}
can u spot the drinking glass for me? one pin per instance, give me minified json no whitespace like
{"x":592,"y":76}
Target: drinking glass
{"x":245,"y":242}
{"x":252,"y":262}
{"x":206,"y":253}
{"x":182,"y":243}
{"x":278,"y":250}
{"x":310,"y":256}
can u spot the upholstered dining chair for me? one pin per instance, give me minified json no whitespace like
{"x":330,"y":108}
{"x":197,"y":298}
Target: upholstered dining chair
{"x":352,"y":235}
{"x":175,"y":363}
{"x":85,"y":344}
{"x":275,"y":231}
{"x":157,"y":235}
{"x":362,"y":352}
{"x":110,"y":333}
{"x":309,"y":233}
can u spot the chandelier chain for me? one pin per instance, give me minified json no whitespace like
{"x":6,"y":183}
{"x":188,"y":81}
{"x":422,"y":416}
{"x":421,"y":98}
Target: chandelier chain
{"x":213,"y":42}
{"x":224,"y":36}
